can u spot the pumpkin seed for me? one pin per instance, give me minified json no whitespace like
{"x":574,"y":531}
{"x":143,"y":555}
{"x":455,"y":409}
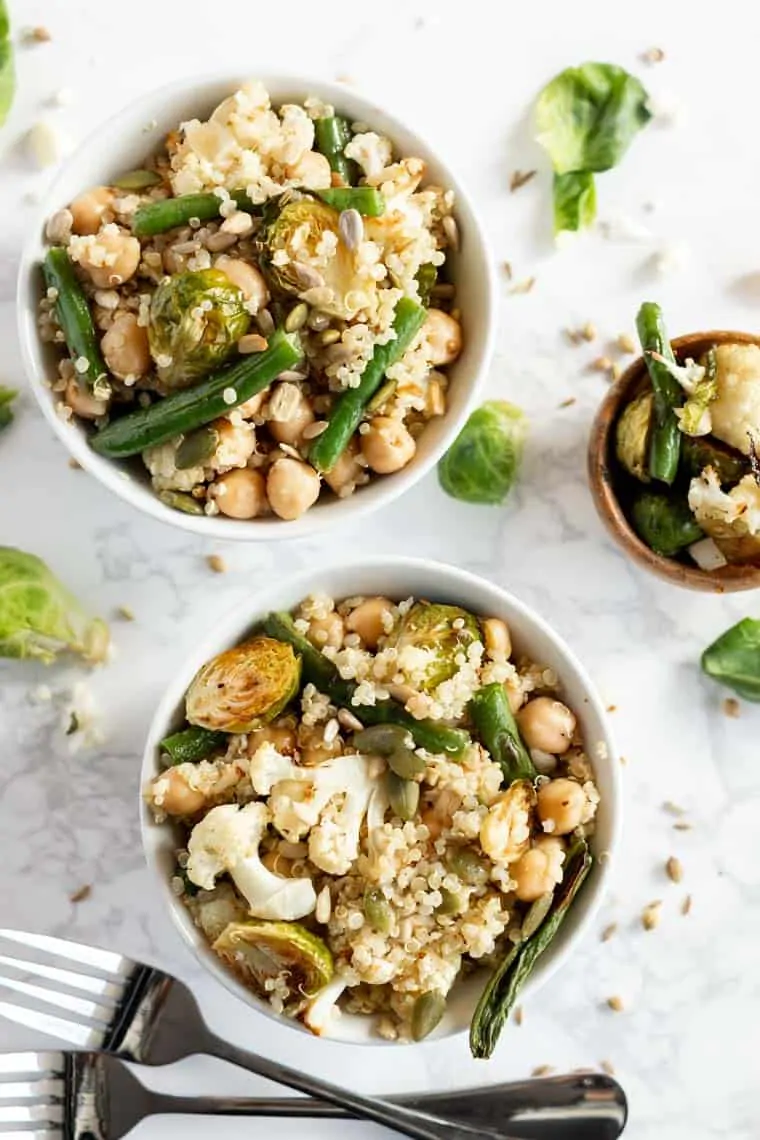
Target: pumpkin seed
{"x":428,"y":1010}
{"x":137,"y":180}
{"x":382,"y":739}
{"x":404,"y":796}
{"x":382,"y":395}
{"x":328,"y":337}
{"x":181,"y":502}
{"x":451,"y":902}
{"x":535,"y":915}
{"x":378,"y":911}
{"x":296,"y":318}
{"x":196,"y":448}
{"x":468,"y":865}
{"x":406,"y":764}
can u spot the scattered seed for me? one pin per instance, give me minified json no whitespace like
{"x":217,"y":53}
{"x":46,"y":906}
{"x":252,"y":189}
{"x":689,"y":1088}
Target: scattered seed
{"x":673,"y":809}
{"x":297,"y":316}
{"x":615,"y":371}
{"x":611,"y":708}
{"x":731,"y":707}
{"x":216,"y":563}
{"x":682,"y":826}
{"x":125,"y":613}
{"x":573,"y":336}
{"x":519,"y":178}
{"x":615,"y":1003}
{"x":253,"y":342}
{"x":307,"y":276}
{"x":543,"y":1070}
{"x":349,"y":721}
{"x":674,"y":869}
{"x":624,"y":760}
{"x":265,"y":321}
{"x":609,"y":932}
{"x":607,"y":1067}
{"x":75,"y":465}
{"x":650,"y":916}
{"x":588,"y":331}
{"x":653,"y":55}
{"x":507,"y":267}
{"x":38,"y":35}
{"x":311,"y":431}
{"x":601,"y":364}
{"x":686,"y":905}
{"x":568,"y":402}
{"x":626,"y":343}
{"x":518,"y":1015}
{"x":82,"y":894}
{"x":523,"y":286}
{"x":351,"y":228}
{"x":329,"y":336}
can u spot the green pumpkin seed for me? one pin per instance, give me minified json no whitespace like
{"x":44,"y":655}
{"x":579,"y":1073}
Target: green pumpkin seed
{"x":382,"y":739}
{"x":328,"y":337}
{"x":378,"y":911}
{"x":406,"y":764}
{"x":297,"y":317}
{"x":181,"y":502}
{"x":535,"y":915}
{"x":468,"y":865}
{"x":196,"y":448}
{"x":382,"y":395}
{"x":138,"y":180}
{"x":451,"y":902}
{"x":428,"y":1010}
{"x":404,"y":796}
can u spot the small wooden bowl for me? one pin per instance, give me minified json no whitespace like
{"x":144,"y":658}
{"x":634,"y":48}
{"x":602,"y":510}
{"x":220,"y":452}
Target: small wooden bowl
{"x":602,"y":473}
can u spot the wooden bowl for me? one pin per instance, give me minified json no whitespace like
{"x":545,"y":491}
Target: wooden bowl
{"x":603,"y":473}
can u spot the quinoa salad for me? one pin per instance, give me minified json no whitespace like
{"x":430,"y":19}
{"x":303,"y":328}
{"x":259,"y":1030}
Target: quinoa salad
{"x":263,"y":314}
{"x":371,"y":798}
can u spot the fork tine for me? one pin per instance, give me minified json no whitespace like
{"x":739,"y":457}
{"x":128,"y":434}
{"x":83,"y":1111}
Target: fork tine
{"x":47,"y":1088}
{"x":100,"y":987}
{"x":52,"y":1061}
{"x":83,"y":1036}
{"x":104,"y":960}
{"x":44,"y":1134}
{"x":83,"y":1007}
{"x":31,"y":1114}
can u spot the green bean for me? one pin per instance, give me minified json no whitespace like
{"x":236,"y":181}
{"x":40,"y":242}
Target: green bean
{"x":497,"y":728}
{"x":347,"y":411}
{"x":502,"y":989}
{"x":665,"y":443}
{"x":332,"y":135}
{"x":324,"y":676}
{"x":167,"y":213}
{"x":427,"y":1011}
{"x":192,"y":744}
{"x":184,"y":411}
{"x":75,"y":318}
{"x":404,"y":795}
{"x":364,"y":199}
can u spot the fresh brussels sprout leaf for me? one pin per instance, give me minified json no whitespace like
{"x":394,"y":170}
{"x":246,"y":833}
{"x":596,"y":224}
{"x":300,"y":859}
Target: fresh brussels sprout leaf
{"x":39,"y":617}
{"x":664,"y":522}
{"x":260,"y":951}
{"x":574,"y":201}
{"x":7,"y":67}
{"x":586,"y":118}
{"x":483,"y":463}
{"x":439,"y":633}
{"x":632,"y":435}
{"x":734,"y":659}
{"x":7,"y":396}
{"x":196,"y":320}
{"x":244,"y":687}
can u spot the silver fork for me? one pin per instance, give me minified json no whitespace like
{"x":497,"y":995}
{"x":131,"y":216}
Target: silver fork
{"x":116,"y":1005}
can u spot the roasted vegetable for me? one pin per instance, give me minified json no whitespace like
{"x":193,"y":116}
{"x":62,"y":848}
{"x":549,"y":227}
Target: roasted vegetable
{"x":74,"y":316}
{"x":196,"y":320}
{"x":332,"y":135}
{"x":703,"y":451}
{"x":734,"y":659}
{"x":441,"y":633}
{"x":665,"y":441}
{"x":735,"y":412}
{"x":39,"y":617}
{"x":501,"y":991}
{"x":299,"y":229}
{"x":324,"y":676}
{"x":700,"y":382}
{"x":632,"y":436}
{"x":190,"y":745}
{"x":7,"y":69}
{"x":731,"y":518}
{"x":157,"y":217}
{"x":366,"y":200}
{"x":497,"y":729}
{"x":244,"y":687}
{"x":7,"y":396}
{"x":262,"y":951}
{"x":483,"y":462}
{"x":664,"y":522}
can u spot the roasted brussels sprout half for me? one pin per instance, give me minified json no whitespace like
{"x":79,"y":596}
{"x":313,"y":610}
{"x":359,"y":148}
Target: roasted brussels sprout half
{"x":259,"y":951}
{"x":196,"y":320}
{"x":664,"y":523}
{"x":244,"y":687}
{"x":441,"y":633}
{"x":632,"y":436}
{"x":699,"y":452}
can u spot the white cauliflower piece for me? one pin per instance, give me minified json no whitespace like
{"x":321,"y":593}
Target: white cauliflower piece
{"x":371,"y":151}
{"x":731,"y":518}
{"x":237,"y":443}
{"x":735,"y":413}
{"x":166,"y":476}
{"x":505,"y":831}
{"x":322,"y":1009}
{"x":228,"y":839}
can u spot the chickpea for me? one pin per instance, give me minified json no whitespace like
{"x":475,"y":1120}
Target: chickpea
{"x":111,"y":259}
{"x":327,"y":631}
{"x":312,"y":170}
{"x":547,"y":724}
{"x":539,"y":869}
{"x":387,"y":446}
{"x":497,"y":640}
{"x":240,"y":494}
{"x":91,"y":209}
{"x":367,"y":620}
{"x":248,"y":279}
{"x":125,"y":347}
{"x":562,"y":803}
{"x":443,"y":335}
{"x":292,"y":487}
{"x":178,"y":797}
{"x":345,"y":470}
{"x":282,"y":736}
{"x":299,"y":412}
{"x":82,"y":402}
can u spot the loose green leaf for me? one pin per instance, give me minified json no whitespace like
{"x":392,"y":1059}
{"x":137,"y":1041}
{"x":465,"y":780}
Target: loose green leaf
{"x":734,"y":659}
{"x":7,"y":67}
{"x":664,"y":522}
{"x":483,"y":463}
{"x":7,"y":396}
{"x":574,"y":201}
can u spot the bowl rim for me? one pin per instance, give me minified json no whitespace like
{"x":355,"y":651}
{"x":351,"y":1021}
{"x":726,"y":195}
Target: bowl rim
{"x":231,"y":627}
{"x":602,"y":479}
{"x":339,"y":512}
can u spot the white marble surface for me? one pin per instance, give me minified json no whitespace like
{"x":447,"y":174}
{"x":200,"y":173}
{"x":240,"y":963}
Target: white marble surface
{"x":686,"y":1046}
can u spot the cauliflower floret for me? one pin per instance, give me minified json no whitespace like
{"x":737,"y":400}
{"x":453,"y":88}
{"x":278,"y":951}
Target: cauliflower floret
{"x":237,"y":443}
{"x":166,"y":476}
{"x":371,"y":151}
{"x":731,"y":518}
{"x":735,"y":414}
{"x":505,"y":832}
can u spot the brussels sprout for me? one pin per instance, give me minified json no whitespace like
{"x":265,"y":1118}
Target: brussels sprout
{"x":632,"y":436}
{"x":442,"y":632}
{"x":664,"y":523}
{"x":196,"y":320}
{"x":483,"y":462}
{"x":39,"y":617}
{"x":699,"y":452}
{"x":259,"y":951}
{"x":244,"y":687}
{"x":296,"y":234}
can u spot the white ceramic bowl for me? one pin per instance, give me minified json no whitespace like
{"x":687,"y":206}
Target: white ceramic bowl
{"x":400,"y":578}
{"x":121,"y":144}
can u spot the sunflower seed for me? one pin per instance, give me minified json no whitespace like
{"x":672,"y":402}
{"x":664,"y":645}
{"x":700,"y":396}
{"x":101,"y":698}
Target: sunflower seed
{"x":615,"y":1003}
{"x":265,"y":321}
{"x":351,"y":228}
{"x":451,"y":229}
{"x":674,"y":869}
{"x":306,"y":276}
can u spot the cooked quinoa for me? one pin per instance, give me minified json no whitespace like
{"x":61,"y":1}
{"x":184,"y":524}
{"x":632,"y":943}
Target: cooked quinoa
{"x":336,"y":868}
{"x":171,"y":308}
